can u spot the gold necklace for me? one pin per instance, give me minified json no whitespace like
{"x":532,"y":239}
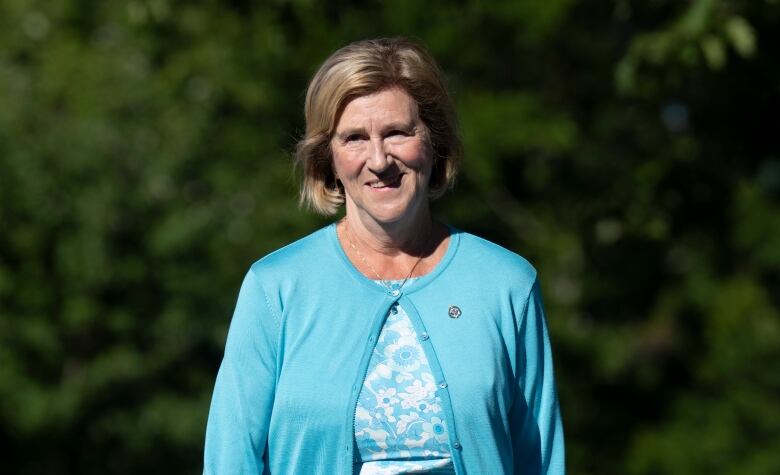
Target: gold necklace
{"x":393,"y":290}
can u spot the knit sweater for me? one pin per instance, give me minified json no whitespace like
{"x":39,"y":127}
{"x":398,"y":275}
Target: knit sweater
{"x":301,"y":338}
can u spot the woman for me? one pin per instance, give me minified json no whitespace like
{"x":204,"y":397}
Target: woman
{"x":386,"y":342}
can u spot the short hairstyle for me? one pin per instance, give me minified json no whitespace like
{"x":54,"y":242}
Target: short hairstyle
{"x":363,"y":68}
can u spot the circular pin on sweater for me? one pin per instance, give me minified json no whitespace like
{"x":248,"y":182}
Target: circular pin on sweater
{"x":454,"y":311}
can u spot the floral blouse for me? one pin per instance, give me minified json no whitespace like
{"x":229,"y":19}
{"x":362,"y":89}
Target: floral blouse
{"x":399,"y":424}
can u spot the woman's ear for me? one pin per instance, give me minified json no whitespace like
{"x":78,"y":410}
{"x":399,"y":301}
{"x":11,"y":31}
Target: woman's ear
{"x":337,"y":186}
{"x":333,"y":170}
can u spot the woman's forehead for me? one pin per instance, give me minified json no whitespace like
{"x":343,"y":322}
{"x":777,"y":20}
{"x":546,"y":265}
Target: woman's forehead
{"x":387,"y":105}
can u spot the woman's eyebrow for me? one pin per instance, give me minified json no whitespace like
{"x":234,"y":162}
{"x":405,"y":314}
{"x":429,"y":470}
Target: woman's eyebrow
{"x":350,"y":131}
{"x":405,"y":126}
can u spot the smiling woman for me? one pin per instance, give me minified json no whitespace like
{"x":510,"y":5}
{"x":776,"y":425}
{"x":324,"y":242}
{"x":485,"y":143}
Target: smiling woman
{"x":386,"y":342}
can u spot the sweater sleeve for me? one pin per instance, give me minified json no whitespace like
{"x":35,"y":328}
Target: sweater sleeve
{"x":237,"y":429}
{"x":537,"y":431}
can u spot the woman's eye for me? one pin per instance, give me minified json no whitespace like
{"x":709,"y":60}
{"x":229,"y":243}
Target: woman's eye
{"x":353,"y":138}
{"x":397,"y":135}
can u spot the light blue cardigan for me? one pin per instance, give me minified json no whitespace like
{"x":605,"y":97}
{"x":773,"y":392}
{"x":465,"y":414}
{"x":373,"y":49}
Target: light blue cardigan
{"x":299,"y":346}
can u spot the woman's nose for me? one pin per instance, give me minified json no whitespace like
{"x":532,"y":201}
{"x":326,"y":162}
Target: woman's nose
{"x":378,"y":159}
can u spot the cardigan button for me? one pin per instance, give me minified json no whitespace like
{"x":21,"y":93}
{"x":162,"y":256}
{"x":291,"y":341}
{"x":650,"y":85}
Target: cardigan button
{"x":457,"y":445}
{"x":395,"y":292}
{"x":443,"y":384}
{"x":424,"y":336}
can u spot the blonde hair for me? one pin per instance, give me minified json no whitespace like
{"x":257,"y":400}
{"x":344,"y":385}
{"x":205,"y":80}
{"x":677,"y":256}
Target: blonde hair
{"x":363,"y":68}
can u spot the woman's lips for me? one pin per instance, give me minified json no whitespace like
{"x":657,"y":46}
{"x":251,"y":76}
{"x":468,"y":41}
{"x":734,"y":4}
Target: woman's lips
{"x":392,"y":182}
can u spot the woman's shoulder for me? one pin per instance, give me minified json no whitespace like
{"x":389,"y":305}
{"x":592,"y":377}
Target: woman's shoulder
{"x":302,"y":255}
{"x":492,"y":259}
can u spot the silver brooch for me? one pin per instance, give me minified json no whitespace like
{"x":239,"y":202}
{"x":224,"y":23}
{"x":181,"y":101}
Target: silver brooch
{"x":454,"y":311}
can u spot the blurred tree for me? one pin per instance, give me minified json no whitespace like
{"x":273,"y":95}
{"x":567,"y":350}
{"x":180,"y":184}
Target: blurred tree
{"x":628,"y":149}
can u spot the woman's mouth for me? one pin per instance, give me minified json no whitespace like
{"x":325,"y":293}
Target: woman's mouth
{"x":390,"y":182}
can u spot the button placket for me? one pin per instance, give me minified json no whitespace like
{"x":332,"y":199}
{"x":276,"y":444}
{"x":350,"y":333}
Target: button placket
{"x":441,"y":385}
{"x":365,"y":361}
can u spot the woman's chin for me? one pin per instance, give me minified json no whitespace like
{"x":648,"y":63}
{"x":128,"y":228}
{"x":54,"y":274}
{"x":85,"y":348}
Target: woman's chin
{"x":386,"y":209}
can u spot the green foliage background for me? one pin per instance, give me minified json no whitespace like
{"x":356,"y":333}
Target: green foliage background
{"x":629,"y":149}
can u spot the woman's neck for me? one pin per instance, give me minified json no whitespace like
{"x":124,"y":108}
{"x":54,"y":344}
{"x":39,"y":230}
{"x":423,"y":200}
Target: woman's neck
{"x":410,"y":237}
{"x":395,"y":251}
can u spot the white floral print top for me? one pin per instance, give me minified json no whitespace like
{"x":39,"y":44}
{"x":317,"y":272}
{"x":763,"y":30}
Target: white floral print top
{"x":399,"y":423}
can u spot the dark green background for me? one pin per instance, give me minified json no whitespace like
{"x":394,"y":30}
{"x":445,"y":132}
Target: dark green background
{"x":629,"y":149}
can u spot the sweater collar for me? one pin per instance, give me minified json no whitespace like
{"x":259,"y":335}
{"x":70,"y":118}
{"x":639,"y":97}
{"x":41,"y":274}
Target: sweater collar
{"x":420,"y":282}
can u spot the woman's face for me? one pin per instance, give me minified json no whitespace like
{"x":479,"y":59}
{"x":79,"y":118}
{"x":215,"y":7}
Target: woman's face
{"x":382,"y":157}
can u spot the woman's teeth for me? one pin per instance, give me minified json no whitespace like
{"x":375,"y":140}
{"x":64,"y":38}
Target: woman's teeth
{"x":386,"y":183}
